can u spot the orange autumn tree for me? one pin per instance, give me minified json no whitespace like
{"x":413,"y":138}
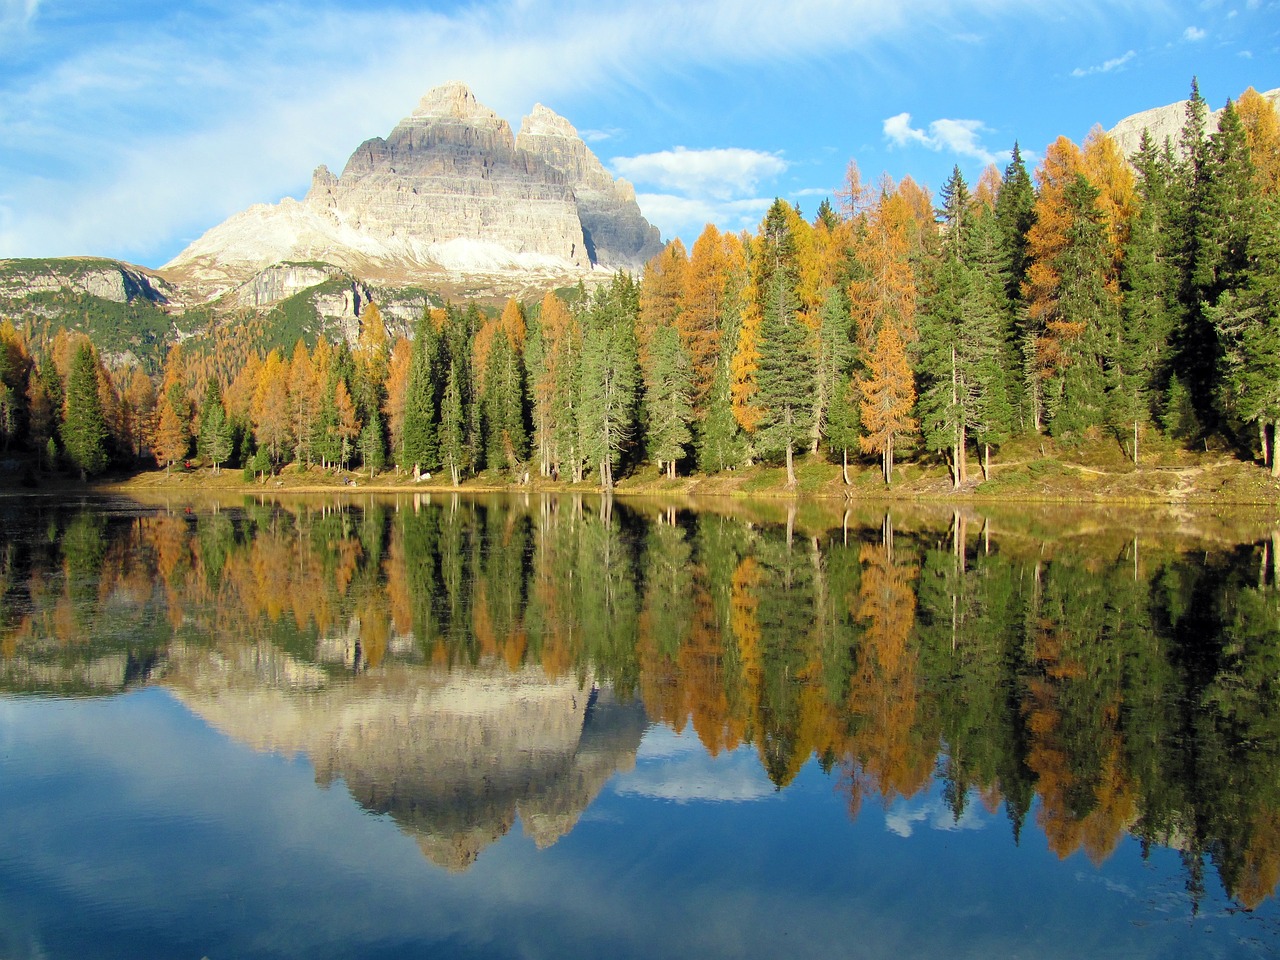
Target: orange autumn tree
{"x":882,"y":299}
{"x":714,"y":256}
{"x":397,"y":386}
{"x":1261,"y":123}
{"x":270,"y":407}
{"x":662,"y":291}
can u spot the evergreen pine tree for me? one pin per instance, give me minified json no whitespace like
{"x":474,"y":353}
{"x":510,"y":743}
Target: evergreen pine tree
{"x":418,"y":440}
{"x":668,"y":400}
{"x":452,"y":427}
{"x":214,"y":443}
{"x":608,"y":378}
{"x":1247,"y":317}
{"x":1149,"y":287}
{"x":843,"y":425}
{"x":786,"y":368}
{"x":503,"y":406}
{"x":373,"y":444}
{"x":84,"y":429}
{"x":834,"y":358}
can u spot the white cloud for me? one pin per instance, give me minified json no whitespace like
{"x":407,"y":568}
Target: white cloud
{"x":671,"y":766}
{"x":685,"y":217}
{"x":1193,"y":34}
{"x":1113,"y":64}
{"x":719,"y":174}
{"x":902,"y":817}
{"x":961,"y":137}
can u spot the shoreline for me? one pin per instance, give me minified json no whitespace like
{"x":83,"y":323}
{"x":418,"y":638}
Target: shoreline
{"x":1203,"y":483}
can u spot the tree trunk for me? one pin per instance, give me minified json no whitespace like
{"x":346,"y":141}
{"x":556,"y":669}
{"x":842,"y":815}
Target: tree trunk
{"x":1135,"y":443}
{"x":844,"y":466}
{"x":1273,"y":460}
{"x":791,"y":472}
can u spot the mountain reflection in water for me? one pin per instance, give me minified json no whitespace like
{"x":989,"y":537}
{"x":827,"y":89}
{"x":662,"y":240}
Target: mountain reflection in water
{"x":458,"y":663}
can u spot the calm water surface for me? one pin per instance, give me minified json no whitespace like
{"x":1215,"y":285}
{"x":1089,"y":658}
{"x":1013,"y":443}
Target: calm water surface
{"x":542,"y":727}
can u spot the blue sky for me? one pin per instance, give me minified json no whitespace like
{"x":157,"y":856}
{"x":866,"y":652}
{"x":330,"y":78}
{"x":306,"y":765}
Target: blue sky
{"x":128,"y":129}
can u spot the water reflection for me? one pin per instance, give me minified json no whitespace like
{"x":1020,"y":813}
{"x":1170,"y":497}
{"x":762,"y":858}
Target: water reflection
{"x":460,"y":663}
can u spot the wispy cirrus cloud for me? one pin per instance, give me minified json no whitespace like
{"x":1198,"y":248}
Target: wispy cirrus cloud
{"x":1115,"y":63}
{"x":1193,"y":34}
{"x":961,"y":137}
{"x":128,"y":129}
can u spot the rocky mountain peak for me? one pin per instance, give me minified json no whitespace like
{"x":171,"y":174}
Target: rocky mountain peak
{"x":455,"y":100}
{"x":545,"y":122}
{"x":449,"y":193}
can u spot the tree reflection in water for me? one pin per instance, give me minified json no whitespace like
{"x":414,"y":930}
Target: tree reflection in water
{"x":1122,"y":672}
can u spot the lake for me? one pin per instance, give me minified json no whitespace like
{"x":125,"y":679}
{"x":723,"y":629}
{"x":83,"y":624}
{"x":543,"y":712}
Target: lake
{"x":548,"y":726}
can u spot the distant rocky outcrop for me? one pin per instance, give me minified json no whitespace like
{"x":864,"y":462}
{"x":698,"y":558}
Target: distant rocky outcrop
{"x":105,"y":279}
{"x":1164,"y":123}
{"x":450,"y":192}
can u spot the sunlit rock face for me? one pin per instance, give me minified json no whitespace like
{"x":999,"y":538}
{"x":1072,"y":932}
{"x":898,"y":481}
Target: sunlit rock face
{"x":1165,"y":123}
{"x":617,"y":234}
{"x":449,"y":191}
{"x":454,"y":757}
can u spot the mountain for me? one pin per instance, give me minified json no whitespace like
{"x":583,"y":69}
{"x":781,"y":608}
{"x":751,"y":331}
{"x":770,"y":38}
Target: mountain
{"x":449,"y":195}
{"x":1165,"y":123}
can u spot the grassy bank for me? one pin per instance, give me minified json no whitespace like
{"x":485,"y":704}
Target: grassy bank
{"x":1035,"y":470}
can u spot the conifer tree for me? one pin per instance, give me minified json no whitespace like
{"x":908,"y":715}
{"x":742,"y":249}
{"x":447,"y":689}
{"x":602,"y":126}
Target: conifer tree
{"x":418,"y":445}
{"x":786,"y":368}
{"x":502,"y":403}
{"x":843,"y":425}
{"x":887,"y":396}
{"x":84,"y":429}
{"x":270,"y":412}
{"x":668,"y":401}
{"x":452,"y":427}
{"x":1247,"y":318}
{"x":373,"y":452}
{"x":608,"y":378}
{"x":833,"y":361}
{"x":1015,"y":213}
{"x":1149,"y":286}
{"x":214,"y":443}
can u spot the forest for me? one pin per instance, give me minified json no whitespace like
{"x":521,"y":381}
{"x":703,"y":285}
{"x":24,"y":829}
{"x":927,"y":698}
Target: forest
{"x":1096,"y":299}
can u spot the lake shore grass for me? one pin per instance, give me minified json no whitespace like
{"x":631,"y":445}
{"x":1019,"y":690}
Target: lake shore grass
{"x":1031,"y":470}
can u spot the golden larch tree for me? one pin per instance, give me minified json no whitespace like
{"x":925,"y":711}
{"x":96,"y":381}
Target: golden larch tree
{"x":1261,"y":124}
{"x":662,"y":289}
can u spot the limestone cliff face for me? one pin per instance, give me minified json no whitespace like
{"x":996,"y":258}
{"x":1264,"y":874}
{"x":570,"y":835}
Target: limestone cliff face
{"x":617,"y":234}
{"x":453,"y":756}
{"x":1164,"y":123}
{"x":450,"y":192}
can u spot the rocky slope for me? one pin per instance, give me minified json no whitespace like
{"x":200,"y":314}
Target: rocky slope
{"x":1164,"y":123}
{"x":451,"y":193}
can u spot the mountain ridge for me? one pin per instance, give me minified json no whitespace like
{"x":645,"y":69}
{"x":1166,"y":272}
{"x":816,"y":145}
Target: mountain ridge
{"x":451,"y":192}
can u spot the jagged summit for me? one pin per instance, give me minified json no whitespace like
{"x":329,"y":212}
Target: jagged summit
{"x":453,"y":99}
{"x":450,"y":192}
{"x":545,"y":122}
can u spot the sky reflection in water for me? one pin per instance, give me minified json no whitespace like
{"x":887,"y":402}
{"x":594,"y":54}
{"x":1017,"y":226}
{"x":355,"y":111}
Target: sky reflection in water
{"x":233,"y":802}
